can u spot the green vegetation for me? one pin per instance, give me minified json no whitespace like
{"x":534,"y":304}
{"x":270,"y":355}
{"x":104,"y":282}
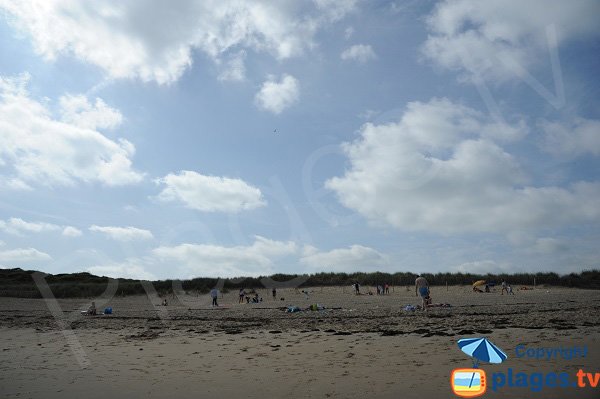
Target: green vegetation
{"x":19,"y":283}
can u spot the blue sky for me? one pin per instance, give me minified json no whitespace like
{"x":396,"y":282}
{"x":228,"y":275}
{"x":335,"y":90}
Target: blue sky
{"x":233,"y":138}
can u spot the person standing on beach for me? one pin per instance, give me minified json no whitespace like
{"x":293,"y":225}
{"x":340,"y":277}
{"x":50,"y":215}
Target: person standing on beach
{"x":422,"y":289}
{"x":214,"y":294}
{"x":504,"y":288}
{"x":356,"y":288}
{"x":242,"y":295}
{"x":274,"y":293}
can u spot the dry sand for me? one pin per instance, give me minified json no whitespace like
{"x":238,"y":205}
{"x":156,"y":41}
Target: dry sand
{"x":359,"y":346}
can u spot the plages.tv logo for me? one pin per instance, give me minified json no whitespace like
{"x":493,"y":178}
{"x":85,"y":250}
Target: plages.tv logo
{"x":472,"y":382}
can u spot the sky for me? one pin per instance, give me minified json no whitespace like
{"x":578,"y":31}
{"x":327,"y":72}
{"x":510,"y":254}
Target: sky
{"x":157,"y":140}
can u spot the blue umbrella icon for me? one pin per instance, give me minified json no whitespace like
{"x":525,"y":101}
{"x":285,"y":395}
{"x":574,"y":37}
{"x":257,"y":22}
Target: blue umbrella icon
{"x":481,"y":350}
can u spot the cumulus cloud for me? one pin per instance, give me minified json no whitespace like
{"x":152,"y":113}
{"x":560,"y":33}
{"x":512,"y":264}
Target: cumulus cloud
{"x":78,"y":111}
{"x":70,"y":231}
{"x":18,"y":226}
{"x":220,"y":261}
{"x":130,"y":268}
{"x":132,"y":40}
{"x":550,"y":245}
{"x":276,"y":96}
{"x":484,"y":267}
{"x":528,"y":242}
{"x":235,"y":69}
{"x":210,"y":193}
{"x":564,"y":139}
{"x":437,"y":169}
{"x":351,"y":259}
{"x":334,"y":10}
{"x":36,"y":148}
{"x":359,"y":52}
{"x":490,"y":38}
{"x":23,"y":255}
{"x":123,"y":233}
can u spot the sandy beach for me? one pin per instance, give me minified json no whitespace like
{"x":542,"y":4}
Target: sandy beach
{"x":358,"y":346}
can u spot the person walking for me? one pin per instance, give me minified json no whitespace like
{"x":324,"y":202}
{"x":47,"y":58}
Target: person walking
{"x":214,"y":294}
{"x":422,"y":289}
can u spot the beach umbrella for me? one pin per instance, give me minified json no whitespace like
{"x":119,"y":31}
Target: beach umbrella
{"x":482,"y":350}
{"x":478,"y":283}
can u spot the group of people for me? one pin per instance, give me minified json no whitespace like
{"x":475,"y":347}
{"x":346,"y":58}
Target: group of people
{"x":505,"y":287}
{"x":243,"y":296}
{"x":383,"y":289}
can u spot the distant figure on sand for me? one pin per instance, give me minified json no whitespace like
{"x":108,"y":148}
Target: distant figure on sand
{"x":242,"y":295}
{"x":92,"y":309}
{"x":214,"y":294}
{"x":510,"y":291}
{"x":356,"y":288}
{"x":422,"y":289}
{"x":164,"y":302}
{"x":504,"y":288}
{"x":274,"y":293}
{"x":386,"y":287}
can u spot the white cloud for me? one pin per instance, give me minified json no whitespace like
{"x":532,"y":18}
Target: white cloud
{"x":210,"y":193}
{"x":13,"y":184}
{"x":130,"y":268}
{"x":78,"y":111}
{"x":20,"y":227}
{"x":219,"y":261}
{"x":23,"y":255}
{"x":17,"y":226}
{"x":123,"y":233}
{"x":550,"y":245}
{"x":351,"y":259}
{"x":276,"y":96}
{"x":235,"y":69}
{"x":582,"y":136}
{"x":484,"y":38}
{"x":335,"y":10}
{"x":484,"y":267}
{"x":38,"y":149}
{"x":70,"y":231}
{"x":133,"y":40}
{"x":435,"y":170}
{"x":359,"y":52}
{"x":528,"y":242}
{"x":348,"y":32}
